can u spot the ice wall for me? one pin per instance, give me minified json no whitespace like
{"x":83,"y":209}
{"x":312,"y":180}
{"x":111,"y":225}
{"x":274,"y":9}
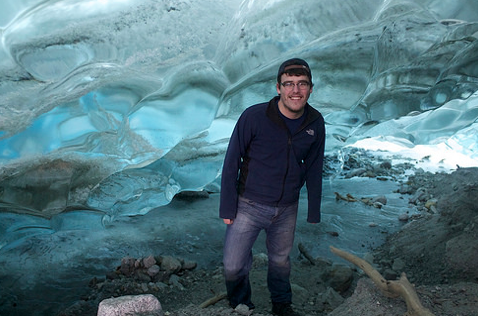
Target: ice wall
{"x":109,"y":108}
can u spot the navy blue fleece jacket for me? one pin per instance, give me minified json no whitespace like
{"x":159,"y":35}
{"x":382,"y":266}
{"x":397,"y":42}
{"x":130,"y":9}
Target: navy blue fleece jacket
{"x":267,"y":164}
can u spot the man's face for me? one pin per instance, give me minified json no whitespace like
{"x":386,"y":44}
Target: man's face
{"x":294,"y":92}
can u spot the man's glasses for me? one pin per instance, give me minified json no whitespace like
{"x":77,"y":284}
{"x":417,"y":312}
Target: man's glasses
{"x":302,"y":85}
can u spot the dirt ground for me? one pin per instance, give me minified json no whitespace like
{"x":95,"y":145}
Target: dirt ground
{"x":437,"y":249}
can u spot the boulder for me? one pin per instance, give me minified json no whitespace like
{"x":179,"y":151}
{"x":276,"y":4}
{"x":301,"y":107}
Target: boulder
{"x":130,"y":305}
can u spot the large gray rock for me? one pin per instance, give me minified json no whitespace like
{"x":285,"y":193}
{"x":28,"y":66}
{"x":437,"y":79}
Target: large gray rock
{"x":131,"y":305}
{"x":170,"y":264}
{"x":339,"y":277}
{"x":462,"y":254}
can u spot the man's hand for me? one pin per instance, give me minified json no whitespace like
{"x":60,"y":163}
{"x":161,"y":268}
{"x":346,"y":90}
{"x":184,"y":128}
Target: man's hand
{"x":228,"y":221}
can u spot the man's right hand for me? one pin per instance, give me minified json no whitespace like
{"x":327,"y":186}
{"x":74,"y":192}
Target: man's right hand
{"x":228,"y":221}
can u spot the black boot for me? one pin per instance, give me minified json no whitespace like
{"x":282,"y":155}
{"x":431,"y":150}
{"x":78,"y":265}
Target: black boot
{"x":283,"y":309}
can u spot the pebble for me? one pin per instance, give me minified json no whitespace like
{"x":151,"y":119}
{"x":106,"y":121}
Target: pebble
{"x":243,"y":310}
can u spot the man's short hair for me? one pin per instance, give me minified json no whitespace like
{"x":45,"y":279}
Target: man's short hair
{"x":294,"y":67}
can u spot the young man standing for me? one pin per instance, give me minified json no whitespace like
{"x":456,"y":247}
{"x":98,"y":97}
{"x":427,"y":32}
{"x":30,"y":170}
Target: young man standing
{"x":274,"y":149}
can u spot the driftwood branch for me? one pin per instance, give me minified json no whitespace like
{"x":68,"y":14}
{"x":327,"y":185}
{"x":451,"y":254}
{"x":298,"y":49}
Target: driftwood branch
{"x":348,"y":197}
{"x":213,"y":300}
{"x":393,"y":289}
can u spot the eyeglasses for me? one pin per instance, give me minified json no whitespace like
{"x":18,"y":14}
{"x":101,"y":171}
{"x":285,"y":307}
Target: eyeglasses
{"x":302,"y":85}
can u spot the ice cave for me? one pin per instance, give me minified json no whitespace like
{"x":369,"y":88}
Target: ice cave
{"x":115,"y":116}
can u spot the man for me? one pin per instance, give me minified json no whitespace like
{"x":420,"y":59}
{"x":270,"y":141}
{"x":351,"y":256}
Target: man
{"x":274,"y":149}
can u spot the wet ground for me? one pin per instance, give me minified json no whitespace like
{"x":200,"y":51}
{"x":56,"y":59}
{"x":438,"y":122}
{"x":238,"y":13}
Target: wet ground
{"x":49,"y":271}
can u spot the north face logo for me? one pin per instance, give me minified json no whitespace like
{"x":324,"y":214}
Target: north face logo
{"x":310,"y":132}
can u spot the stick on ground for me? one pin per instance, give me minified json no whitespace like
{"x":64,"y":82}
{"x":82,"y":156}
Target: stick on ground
{"x":401,"y":287}
{"x":213,"y":300}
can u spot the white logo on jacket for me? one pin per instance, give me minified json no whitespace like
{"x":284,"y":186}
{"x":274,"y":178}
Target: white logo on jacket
{"x":310,"y":132}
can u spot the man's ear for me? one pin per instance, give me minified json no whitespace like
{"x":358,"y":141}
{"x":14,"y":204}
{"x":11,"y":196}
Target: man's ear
{"x":278,"y":88}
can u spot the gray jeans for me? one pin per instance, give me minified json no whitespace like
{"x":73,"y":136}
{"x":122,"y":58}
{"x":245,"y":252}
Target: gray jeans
{"x":279,"y":225}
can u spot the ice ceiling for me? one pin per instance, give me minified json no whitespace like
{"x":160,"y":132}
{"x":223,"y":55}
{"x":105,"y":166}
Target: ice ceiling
{"x":110,"y":107}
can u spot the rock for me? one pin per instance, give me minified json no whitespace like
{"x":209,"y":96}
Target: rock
{"x":462,"y":254}
{"x":127,"y":266}
{"x":403,"y":217}
{"x":130,"y":305}
{"x":300,"y":293}
{"x":142,"y":276}
{"x":112,"y":275}
{"x":405,"y":189}
{"x":162,"y":276}
{"x":153,"y":287}
{"x":386,"y":165}
{"x":386,"y":262}
{"x":148,"y":262}
{"x":322,"y":263}
{"x":377,"y":204}
{"x":153,"y":270}
{"x":333,"y":233}
{"x":356,"y":173}
{"x":174,"y":281}
{"x":170,"y":264}
{"x":160,"y":286}
{"x":328,"y":300}
{"x":431,"y":203}
{"x":242,"y":309}
{"x":339,"y":277}
{"x":369,"y":174}
{"x":389,"y":274}
{"x":398,"y":265}
{"x":381,"y":199}
{"x":419,"y":196}
{"x":189,"y":265}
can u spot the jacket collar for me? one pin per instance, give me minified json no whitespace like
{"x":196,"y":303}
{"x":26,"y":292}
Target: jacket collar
{"x":272,"y":112}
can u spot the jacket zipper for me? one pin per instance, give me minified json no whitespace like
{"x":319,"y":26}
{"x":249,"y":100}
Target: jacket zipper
{"x":289,"y":145}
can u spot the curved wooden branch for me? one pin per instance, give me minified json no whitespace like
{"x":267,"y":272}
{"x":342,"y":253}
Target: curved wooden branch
{"x":393,"y":289}
{"x":213,"y":300}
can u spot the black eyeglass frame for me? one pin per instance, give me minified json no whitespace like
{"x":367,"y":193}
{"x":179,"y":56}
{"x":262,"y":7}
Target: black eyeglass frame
{"x":302,"y":85}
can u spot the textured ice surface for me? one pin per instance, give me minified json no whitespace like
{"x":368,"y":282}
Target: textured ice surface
{"x":109,"y":108}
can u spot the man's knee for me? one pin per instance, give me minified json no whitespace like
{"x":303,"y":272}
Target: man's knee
{"x":279,"y":261}
{"x":234,"y":273}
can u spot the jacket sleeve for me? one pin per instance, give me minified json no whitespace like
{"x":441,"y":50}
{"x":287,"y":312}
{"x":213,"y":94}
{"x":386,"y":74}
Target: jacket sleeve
{"x":314,"y":175}
{"x":236,"y":150}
